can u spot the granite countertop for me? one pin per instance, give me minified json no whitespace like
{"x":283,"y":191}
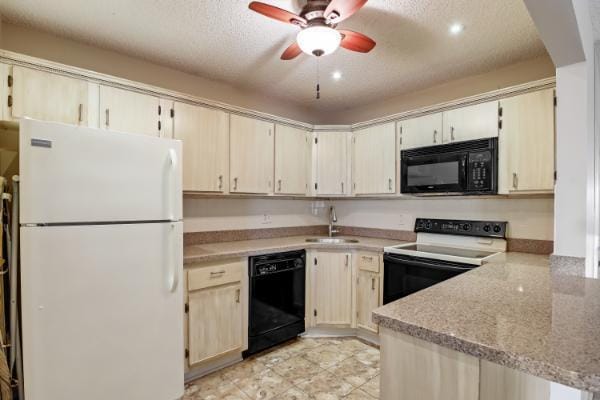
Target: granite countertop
{"x":246,"y":248}
{"x":514,"y":313}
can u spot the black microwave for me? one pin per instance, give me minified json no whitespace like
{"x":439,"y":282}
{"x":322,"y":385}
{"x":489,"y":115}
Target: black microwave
{"x":464,"y":168}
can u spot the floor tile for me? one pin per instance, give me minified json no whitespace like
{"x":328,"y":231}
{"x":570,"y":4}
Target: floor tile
{"x":354,"y":372}
{"x":293,"y":394}
{"x":325,"y":386}
{"x":358,"y":394}
{"x":353,"y":345}
{"x":243,"y":369}
{"x":276,"y":356}
{"x":297,"y":369}
{"x":263,"y":386}
{"x":369,"y":357}
{"x":372,"y":387}
{"x":206,"y":387}
{"x":327,"y":356}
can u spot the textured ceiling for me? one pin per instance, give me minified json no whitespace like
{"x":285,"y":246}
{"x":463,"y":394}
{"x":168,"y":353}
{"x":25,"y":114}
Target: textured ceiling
{"x":223,"y":40}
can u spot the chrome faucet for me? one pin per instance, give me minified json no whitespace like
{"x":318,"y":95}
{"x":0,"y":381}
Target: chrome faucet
{"x":332,"y":220}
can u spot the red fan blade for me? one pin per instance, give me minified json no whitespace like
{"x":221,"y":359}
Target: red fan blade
{"x":356,"y":41}
{"x":291,"y":52}
{"x":277,"y":13}
{"x":339,"y":10}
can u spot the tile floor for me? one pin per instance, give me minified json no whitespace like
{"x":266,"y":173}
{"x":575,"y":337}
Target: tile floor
{"x":307,"y":368}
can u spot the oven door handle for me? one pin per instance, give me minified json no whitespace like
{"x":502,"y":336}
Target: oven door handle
{"x":425,"y":264}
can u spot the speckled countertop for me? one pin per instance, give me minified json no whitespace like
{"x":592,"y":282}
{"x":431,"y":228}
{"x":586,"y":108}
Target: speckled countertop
{"x":246,"y":248}
{"x":514,"y":313}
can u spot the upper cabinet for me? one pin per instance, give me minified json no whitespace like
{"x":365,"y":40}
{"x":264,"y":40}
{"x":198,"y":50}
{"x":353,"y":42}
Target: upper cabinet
{"x":205,"y":136}
{"x":291,"y":160}
{"x":49,"y":97}
{"x":473,"y":122}
{"x":374,"y":166}
{"x":332,"y":163}
{"x":127,"y":111}
{"x":421,"y":131}
{"x":526,"y":152}
{"x":251,"y":155}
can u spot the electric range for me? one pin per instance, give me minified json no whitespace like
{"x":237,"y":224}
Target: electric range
{"x":444,"y":249}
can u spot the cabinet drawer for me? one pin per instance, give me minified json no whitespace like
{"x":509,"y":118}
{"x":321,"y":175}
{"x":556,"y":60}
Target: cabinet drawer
{"x":368,"y":262}
{"x":215,"y":274}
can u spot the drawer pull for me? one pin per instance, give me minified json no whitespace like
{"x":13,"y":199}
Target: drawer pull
{"x":215,"y":273}
{"x":237,"y":296}
{"x":370,"y":258}
{"x":372,"y":283}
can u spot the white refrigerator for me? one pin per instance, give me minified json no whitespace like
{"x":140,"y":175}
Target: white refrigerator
{"x":101,"y":261}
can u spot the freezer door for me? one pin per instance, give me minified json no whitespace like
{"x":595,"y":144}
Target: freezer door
{"x":102,"y":312}
{"x":73,"y":174}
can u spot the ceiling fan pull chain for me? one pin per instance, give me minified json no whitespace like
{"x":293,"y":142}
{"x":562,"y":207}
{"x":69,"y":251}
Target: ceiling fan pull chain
{"x":318,"y":81}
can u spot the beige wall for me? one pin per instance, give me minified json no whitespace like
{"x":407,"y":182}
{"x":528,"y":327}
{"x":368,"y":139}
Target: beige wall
{"x":228,"y":214}
{"x":42,"y":45}
{"x":527,"y":218}
{"x":515,"y":74}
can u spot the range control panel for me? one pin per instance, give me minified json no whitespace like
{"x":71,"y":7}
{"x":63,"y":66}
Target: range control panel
{"x":495,"y":229}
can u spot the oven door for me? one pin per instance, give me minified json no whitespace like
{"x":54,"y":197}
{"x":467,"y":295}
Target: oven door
{"x":404,"y":275}
{"x":434,"y":173}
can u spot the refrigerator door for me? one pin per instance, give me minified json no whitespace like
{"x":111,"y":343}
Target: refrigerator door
{"x":73,"y":174}
{"x":102,"y":312}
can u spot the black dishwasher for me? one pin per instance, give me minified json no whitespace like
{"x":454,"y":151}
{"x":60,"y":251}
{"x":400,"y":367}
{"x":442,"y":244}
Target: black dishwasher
{"x":277,"y":287}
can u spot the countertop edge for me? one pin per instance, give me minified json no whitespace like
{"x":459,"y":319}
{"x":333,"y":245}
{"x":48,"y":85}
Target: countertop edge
{"x":590,"y":383}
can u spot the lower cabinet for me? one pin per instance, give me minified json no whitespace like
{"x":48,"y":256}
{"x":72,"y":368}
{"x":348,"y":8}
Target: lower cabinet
{"x":215,"y":306}
{"x":412,"y":368}
{"x":331,"y":287}
{"x":368,"y":290}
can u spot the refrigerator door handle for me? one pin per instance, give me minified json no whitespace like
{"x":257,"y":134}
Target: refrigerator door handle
{"x":174,"y":274}
{"x":173,"y":159}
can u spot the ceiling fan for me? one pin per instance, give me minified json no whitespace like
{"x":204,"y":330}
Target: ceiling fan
{"x":318,"y":20}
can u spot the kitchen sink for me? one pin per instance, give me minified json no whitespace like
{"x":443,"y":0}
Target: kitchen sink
{"x":331,"y":240}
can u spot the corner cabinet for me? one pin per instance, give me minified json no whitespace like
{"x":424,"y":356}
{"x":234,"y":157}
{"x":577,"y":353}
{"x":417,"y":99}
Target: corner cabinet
{"x":251,"y":155}
{"x":292,"y":160}
{"x":526,"y":153}
{"x":478,"y":121}
{"x":205,"y":136}
{"x":50,"y":97}
{"x":332,"y":163}
{"x":421,"y":131}
{"x":215,"y":318}
{"x":374,"y":163}
{"x":127,"y":111}
{"x":331,"y":287}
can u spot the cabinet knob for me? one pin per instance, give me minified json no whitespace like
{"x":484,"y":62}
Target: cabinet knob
{"x":347,"y":261}
{"x":107,"y":117}
{"x":515,"y":180}
{"x":279,"y":185}
{"x":390,"y":184}
{"x":220,"y":181}
{"x":237,"y":296}
{"x":342,"y":187}
{"x":235,"y":180}
{"x":372,"y":283}
{"x":452,"y":133}
{"x":80,"y":113}
{"x":435,"y":136}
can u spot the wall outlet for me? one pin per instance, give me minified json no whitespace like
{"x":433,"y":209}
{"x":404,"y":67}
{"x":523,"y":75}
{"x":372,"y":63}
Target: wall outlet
{"x":267,"y":220}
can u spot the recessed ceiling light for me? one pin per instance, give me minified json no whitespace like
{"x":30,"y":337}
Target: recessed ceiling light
{"x":456,"y":28}
{"x":337,"y":75}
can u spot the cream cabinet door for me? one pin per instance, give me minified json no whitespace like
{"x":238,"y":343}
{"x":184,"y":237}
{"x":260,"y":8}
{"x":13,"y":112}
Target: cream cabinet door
{"x":473,"y":122}
{"x":291,"y":160}
{"x":205,"y":136}
{"x":215,"y":322}
{"x":49,"y":97}
{"x":367,"y":299}
{"x":332,"y":163}
{"x":374,"y":162}
{"x":421,"y":131}
{"x":251,"y":155}
{"x":332,"y":288}
{"x":527,"y":143}
{"x":127,"y":111}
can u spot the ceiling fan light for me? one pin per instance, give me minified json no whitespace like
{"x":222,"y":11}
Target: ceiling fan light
{"x":319,"y":40}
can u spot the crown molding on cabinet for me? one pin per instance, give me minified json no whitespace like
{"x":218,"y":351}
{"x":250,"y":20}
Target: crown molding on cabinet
{"x":109,"y":80}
